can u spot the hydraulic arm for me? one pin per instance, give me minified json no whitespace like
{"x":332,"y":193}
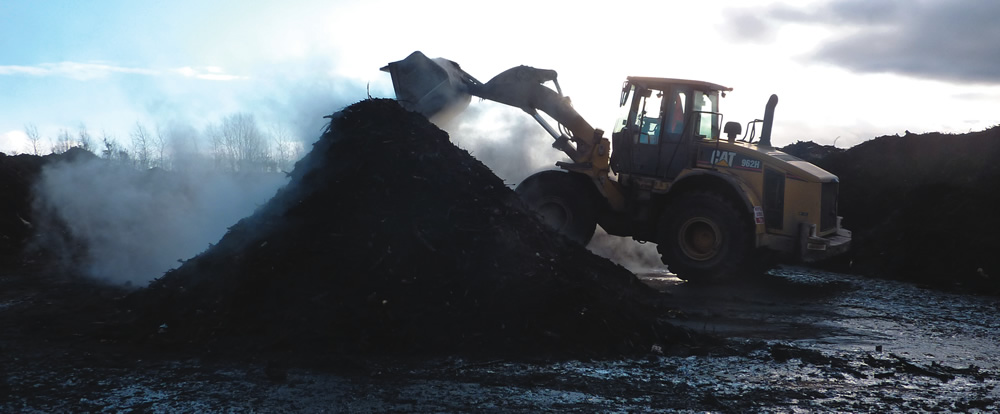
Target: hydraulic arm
{"x":432,"y":86}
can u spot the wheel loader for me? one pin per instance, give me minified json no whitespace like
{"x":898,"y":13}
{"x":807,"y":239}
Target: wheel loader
{"x":715,"y":207}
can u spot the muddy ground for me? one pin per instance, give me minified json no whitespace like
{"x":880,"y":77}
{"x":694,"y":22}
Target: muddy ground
{"x":798,"y":341}
{"x":442,"y":293}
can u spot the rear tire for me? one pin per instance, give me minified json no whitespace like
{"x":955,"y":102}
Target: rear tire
{"x":703,"y":237}
{"x":566,"y":202}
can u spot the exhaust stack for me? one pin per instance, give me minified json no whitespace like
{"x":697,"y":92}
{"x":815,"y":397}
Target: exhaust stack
{"x":765,"y":131}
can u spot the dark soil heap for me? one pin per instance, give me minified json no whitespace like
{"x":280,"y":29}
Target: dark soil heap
{"x":922,"y":206}
{"x":18,"y":174}
{"x":389,"y":239}
{"x":811,"y":151}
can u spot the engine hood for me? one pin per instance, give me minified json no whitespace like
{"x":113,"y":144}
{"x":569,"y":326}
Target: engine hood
{"x":750,"y":157}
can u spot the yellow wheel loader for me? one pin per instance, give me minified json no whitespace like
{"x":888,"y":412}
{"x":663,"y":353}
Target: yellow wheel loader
{"x":716,"y":207}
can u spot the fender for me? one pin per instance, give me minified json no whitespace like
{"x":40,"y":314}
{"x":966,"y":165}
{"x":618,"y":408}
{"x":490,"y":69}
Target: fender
{"x":736,"y":186}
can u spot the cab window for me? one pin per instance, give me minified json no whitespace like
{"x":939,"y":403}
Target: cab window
{"x":648,"y":119}
{"x":708,"y":117}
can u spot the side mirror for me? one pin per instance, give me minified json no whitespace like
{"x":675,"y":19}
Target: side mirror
{"x":732,"y":129}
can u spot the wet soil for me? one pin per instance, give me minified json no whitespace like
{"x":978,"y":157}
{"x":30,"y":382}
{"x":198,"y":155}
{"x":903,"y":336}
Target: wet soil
{"x":843,"y":313}
{"x":798,"y":341}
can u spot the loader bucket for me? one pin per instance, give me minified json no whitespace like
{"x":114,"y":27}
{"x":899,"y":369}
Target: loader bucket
{"x":430,"y":87}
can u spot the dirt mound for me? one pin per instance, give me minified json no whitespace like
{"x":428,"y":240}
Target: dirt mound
{"x":810,"y":151}
{"x":921,"y":206}
{"x":17,"y":179}
{"x":388,"y":238}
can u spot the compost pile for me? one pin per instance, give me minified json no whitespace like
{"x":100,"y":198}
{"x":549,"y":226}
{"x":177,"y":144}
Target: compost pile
{"x":811,"y":151}
{"x":16,"y":174}
{"x":390,"y":239}
{"x":17,"y":179}
{"x":921,"y":206}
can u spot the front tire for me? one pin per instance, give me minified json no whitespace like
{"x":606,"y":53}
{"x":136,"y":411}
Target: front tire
{"x":703,"y":238}
{"x":566,"y":202}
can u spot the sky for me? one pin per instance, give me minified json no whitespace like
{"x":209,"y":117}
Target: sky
{"x":845,"y":71}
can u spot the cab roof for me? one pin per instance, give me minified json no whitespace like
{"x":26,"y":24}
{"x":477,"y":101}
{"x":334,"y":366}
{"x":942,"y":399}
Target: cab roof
{"x":663,"y":83}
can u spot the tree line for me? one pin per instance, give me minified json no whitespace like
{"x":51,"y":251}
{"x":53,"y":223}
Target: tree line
{"x":237,"y":143}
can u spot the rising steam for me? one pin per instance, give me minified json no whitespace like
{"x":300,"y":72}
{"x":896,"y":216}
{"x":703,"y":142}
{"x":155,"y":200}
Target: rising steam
{"x":636,"y":257}
{"x":514,"y":146}
{"x":125,"y":226}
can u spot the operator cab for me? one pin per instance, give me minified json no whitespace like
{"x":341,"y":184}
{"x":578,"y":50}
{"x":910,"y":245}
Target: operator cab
{"x":663,"y":118}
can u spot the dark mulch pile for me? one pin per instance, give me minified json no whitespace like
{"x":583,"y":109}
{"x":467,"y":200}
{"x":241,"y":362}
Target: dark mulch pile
{"x":811,"y":151}
{"x":922,"y":206}
{"x":390,"y":239}
{"x":17,"y":179}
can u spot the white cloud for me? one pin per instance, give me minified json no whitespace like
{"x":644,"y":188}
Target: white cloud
{"x":91,"y":70}
{"x":13,"y":142}
{"x":207,"y":73}
{"x":74,"y":70}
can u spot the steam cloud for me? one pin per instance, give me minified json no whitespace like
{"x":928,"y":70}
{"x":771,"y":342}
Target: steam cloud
{"x":632,"y":255}
{"x":129,"y":227}
{"x":514,"y":146}
{"x":506,"y":140}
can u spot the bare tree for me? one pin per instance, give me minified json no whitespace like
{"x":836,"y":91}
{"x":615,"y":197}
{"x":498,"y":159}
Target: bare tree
{"x":141,"y":146}
{"x":238,"y":143}
{"x":220,"y":153}
{"x":285,"y":148}
{"x":64,"y":141}
{"x":113,"y":151}
{"x":83,"y":138}
{"x":34,"y":138}
{"x":159,"y":141}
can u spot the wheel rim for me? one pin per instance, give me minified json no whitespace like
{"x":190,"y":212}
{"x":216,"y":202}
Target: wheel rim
{"x":554,"y":214}
{"x":699,"y":238}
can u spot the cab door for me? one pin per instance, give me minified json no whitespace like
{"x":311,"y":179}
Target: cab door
{"x":647,"y":143}
{"x":674,"y":150}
